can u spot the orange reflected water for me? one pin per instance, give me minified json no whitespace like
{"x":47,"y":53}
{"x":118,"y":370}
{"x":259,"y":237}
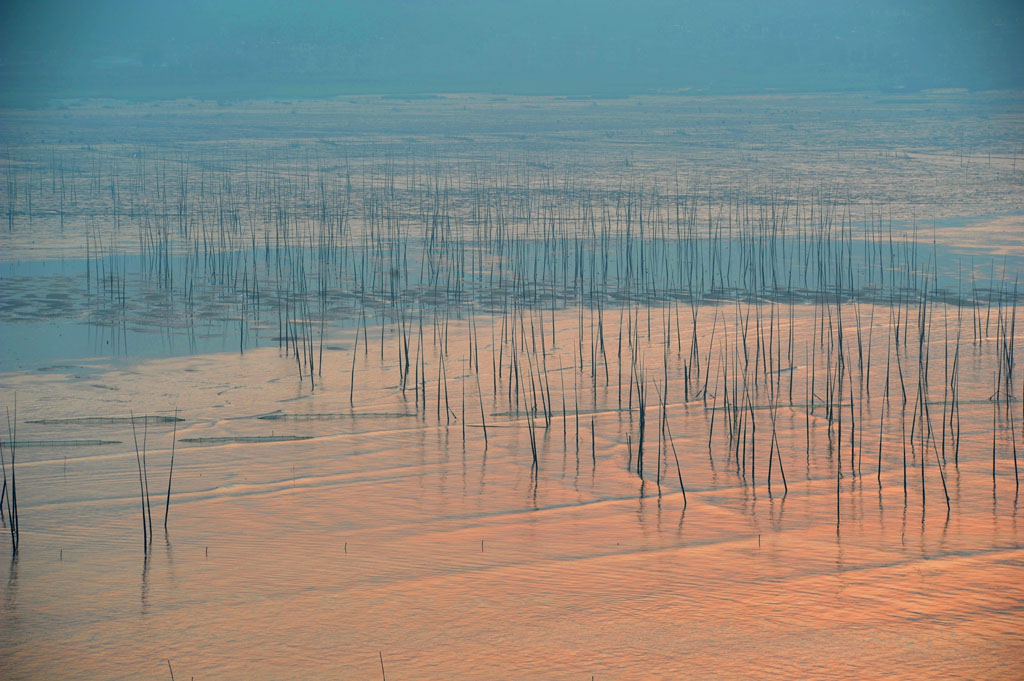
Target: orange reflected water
{"x":391,"y":534}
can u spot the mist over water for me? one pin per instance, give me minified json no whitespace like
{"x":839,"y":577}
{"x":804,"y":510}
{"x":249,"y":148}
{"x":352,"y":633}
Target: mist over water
{"x":521,"y":340}
{"x":256,"y":49}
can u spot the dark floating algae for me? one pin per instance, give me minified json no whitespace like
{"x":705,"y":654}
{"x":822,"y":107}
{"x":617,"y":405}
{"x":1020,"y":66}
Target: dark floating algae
{"x":59,"y":443}
{"x":106,"y":420}
{"x":333,"y":416}
{"x":244,"y":439}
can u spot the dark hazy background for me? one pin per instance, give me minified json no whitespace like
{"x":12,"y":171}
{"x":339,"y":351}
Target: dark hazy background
{"x":299,"y":48}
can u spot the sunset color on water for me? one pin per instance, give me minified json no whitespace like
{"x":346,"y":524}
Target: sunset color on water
{"x":688,"y":357}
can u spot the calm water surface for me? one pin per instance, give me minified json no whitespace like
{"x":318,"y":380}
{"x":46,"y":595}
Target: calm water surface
{"x":395,"y":533}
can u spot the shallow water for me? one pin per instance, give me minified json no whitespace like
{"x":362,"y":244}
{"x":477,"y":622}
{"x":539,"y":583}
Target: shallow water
{"x":128,"y":306}
{"x":335,"y":298}
{"x":391,"y":533}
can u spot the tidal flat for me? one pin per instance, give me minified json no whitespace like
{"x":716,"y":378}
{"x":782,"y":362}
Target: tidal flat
{"x":513,"y":387}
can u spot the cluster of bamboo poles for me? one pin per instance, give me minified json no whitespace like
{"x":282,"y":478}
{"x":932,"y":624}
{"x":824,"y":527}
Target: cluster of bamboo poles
{"x":286,"y":250}
{"x":753,"y":368}
{"x":9,"y":492}
{"x":143,"y":469}
{"x":291,"y":247}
